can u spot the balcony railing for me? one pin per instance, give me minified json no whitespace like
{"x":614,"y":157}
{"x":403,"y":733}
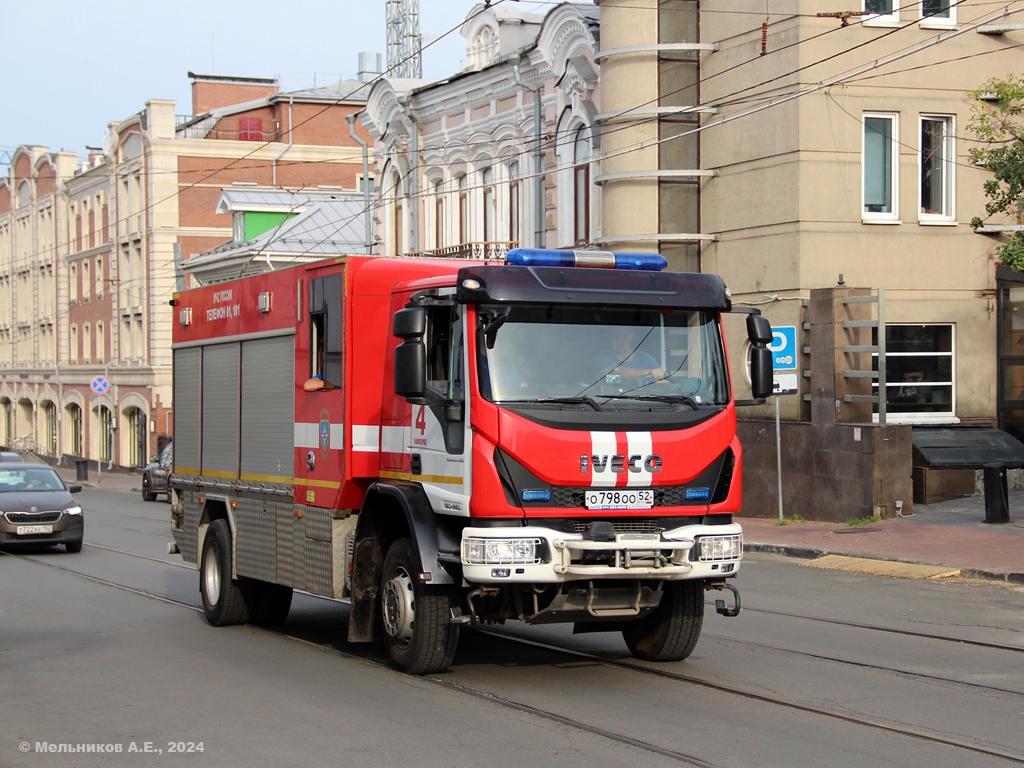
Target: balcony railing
{"x":487,"y":250}
{"x":226,"y":128}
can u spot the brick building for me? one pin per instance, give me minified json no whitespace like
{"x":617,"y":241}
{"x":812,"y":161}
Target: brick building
{"x":88,"y":252}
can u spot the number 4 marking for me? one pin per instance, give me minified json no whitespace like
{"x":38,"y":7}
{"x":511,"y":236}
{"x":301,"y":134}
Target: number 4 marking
{"x":421,"y":420}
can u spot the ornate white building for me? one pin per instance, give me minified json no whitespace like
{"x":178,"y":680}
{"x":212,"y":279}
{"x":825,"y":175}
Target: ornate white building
{"x":500,"y":154}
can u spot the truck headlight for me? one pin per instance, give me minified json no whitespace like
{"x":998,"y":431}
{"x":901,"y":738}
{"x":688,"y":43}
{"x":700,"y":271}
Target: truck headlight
{"x":714,"y":548}
{"x":500,"y":551}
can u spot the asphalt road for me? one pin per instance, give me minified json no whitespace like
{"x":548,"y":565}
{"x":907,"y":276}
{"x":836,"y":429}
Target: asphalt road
{"x":108,"y":650}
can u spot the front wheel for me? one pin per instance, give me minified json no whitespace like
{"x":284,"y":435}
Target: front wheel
{"x":224,"y":599}
{"x":670,"y":631}
{"x":416,"y":618}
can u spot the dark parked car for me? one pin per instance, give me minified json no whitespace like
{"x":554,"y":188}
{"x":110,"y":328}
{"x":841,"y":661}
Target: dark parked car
{"x":156,"y":474}
{"x":36,"y":507}
{"x":10,"y":456}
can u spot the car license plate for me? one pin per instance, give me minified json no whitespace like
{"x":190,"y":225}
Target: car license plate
{"x":27,"y":530}
{"x":620,"y":499}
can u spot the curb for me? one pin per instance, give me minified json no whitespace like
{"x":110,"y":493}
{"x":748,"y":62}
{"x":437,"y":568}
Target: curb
{"x":811,"y":553}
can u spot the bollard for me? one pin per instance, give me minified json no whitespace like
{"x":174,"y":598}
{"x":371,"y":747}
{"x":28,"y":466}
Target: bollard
{"x":997,"y":502}
{"x":82,"y":470}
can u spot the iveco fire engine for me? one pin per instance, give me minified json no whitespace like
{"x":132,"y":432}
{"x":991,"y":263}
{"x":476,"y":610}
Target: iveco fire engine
{"x":445,"y":442}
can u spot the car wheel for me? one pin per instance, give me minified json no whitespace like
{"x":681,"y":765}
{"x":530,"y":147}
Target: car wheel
{"x":670,"y":631}
{"x":147,"y":494}
{"x":73,"y":546}
{"x":224,"y":599}
{"x":418,"y":633}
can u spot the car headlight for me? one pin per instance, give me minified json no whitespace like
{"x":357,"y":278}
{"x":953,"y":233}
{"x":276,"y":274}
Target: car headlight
{"x":75,"y":510}
{"x":720,"y":547}
{"x":500,"y":551}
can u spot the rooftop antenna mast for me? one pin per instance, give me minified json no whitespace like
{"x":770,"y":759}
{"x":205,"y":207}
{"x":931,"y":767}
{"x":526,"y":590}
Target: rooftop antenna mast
{"x":403,"y":22}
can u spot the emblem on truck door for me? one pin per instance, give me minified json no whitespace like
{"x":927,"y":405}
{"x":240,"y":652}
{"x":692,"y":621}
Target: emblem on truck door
{"x":325,"y":433}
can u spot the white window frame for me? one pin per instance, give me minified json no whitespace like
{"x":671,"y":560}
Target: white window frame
{"x":881,"y":217}
{"x":923,"y":417}
{"x":948,"y":214}
{"x":891,"y":19}
{"x":939,"y":22}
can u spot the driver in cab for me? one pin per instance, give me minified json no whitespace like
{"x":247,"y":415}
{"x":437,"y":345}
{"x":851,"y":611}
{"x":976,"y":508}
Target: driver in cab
{"x":625,"y":359}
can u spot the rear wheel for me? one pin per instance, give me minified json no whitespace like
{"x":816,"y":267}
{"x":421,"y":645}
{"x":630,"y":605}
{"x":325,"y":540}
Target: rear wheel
{"x":670,"y":631}
{"x":416,"y":618}
{"x":268,"y":603}
{"x":147,"y":494}
{"x":223,"y":598}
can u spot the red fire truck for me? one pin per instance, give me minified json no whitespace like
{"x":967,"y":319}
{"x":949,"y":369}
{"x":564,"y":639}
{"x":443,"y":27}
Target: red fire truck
{"x":445,"y":442}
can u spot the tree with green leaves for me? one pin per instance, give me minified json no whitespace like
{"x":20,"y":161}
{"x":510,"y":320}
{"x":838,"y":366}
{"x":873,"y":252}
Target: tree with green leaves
{"x":998,"y":126}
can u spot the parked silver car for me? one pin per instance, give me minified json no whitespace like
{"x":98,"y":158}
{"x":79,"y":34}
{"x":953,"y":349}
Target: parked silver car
{"x":36,"y":507}
{"x":156,"y":474}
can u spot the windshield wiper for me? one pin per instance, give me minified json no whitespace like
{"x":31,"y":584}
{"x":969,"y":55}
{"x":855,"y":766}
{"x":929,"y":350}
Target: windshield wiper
{"x":563,"y":400}
{"x":659,"y":398}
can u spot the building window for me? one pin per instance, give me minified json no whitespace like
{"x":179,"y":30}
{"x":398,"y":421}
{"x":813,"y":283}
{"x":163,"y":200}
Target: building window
{"x":363,"y":183}
{"x":938,"y":13}
{"x":937,"y":162}
{"x":106,"y":434}
{"x":50,"y":433}
{"x":882,"y":12}
{"x":438,"y":215}
{"x":463,"y":211}
{"x":581,"y":186}
{"x":136,"y":438}
{"x":514,"y":185}
{"x":250,"y":129}
{"x":74,"y":426}
{"x":881,"y":169}
{"x":919,"y":369}
{"x":487,"y":180}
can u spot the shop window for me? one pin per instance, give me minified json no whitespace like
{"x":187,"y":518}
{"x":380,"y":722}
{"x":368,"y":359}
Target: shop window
{"x":919,"y":364}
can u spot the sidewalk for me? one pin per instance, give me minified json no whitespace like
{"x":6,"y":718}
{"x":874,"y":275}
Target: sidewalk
{"x":951,"y":534}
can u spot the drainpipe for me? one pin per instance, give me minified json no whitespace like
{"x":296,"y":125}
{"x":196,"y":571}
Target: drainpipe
{"x":273,"y":165}
{"x":367,"y":218}
{"x":538,"y":156}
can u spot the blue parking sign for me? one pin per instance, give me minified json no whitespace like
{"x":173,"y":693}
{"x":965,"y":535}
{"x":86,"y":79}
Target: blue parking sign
{"x":783,"y":348}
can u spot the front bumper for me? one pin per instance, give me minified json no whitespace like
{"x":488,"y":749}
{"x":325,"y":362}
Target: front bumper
{"x":68,"y":528}
{"x":688,"y":552}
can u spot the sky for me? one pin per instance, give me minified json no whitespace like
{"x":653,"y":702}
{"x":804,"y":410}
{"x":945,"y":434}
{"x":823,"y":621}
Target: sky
{"x":75,"y":67}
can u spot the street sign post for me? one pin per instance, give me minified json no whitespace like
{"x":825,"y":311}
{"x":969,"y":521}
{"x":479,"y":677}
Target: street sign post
{"x":784,"y":357}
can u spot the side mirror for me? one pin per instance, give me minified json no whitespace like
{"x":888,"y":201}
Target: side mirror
{"x":74,"y":488}
{"x":761,"y":374}
{"x":759,"y":330}
{"x":411,"y":368}
{"x":410,"y":323}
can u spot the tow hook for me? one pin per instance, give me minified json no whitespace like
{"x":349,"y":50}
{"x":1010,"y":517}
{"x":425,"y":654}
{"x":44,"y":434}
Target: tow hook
{"x":720,"y":605}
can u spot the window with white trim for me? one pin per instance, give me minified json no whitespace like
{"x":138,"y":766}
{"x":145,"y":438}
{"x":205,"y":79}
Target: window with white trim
{"x":936,"y":163}
{"x":919,"y":366}
{"x":881,"y":12}
{"x":938,"y":14}
{"x":880,"y":160}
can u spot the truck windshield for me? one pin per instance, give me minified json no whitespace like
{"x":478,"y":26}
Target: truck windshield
{"x":609,"y":357}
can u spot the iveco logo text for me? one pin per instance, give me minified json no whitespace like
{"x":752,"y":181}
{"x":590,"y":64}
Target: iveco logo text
{"x":620,"y":463}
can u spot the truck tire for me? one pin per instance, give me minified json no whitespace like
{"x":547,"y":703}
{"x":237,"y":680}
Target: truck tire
{"x":268,"y":603}
{"x":416,"y":618}
{"x":224,"y":599}
{"x":670,"y":631}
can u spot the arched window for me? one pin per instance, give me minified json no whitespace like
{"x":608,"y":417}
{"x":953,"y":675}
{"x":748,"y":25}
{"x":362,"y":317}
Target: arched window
{"x":581,"y":186}
{"x":106,"y":434}
{"x":487,"y":180}
{"x":50,"y":429}
{"x":136,"y":438}
{"x":513,"y":203}
{"x":438,"y":214}
{"x":463,"y":211}
{"x":73,"y":437}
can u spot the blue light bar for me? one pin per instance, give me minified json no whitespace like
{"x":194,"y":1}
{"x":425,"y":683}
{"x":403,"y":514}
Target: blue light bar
{"x":543,"y":257}
{"x":537,"y":495}
{"x":698,"y":494}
